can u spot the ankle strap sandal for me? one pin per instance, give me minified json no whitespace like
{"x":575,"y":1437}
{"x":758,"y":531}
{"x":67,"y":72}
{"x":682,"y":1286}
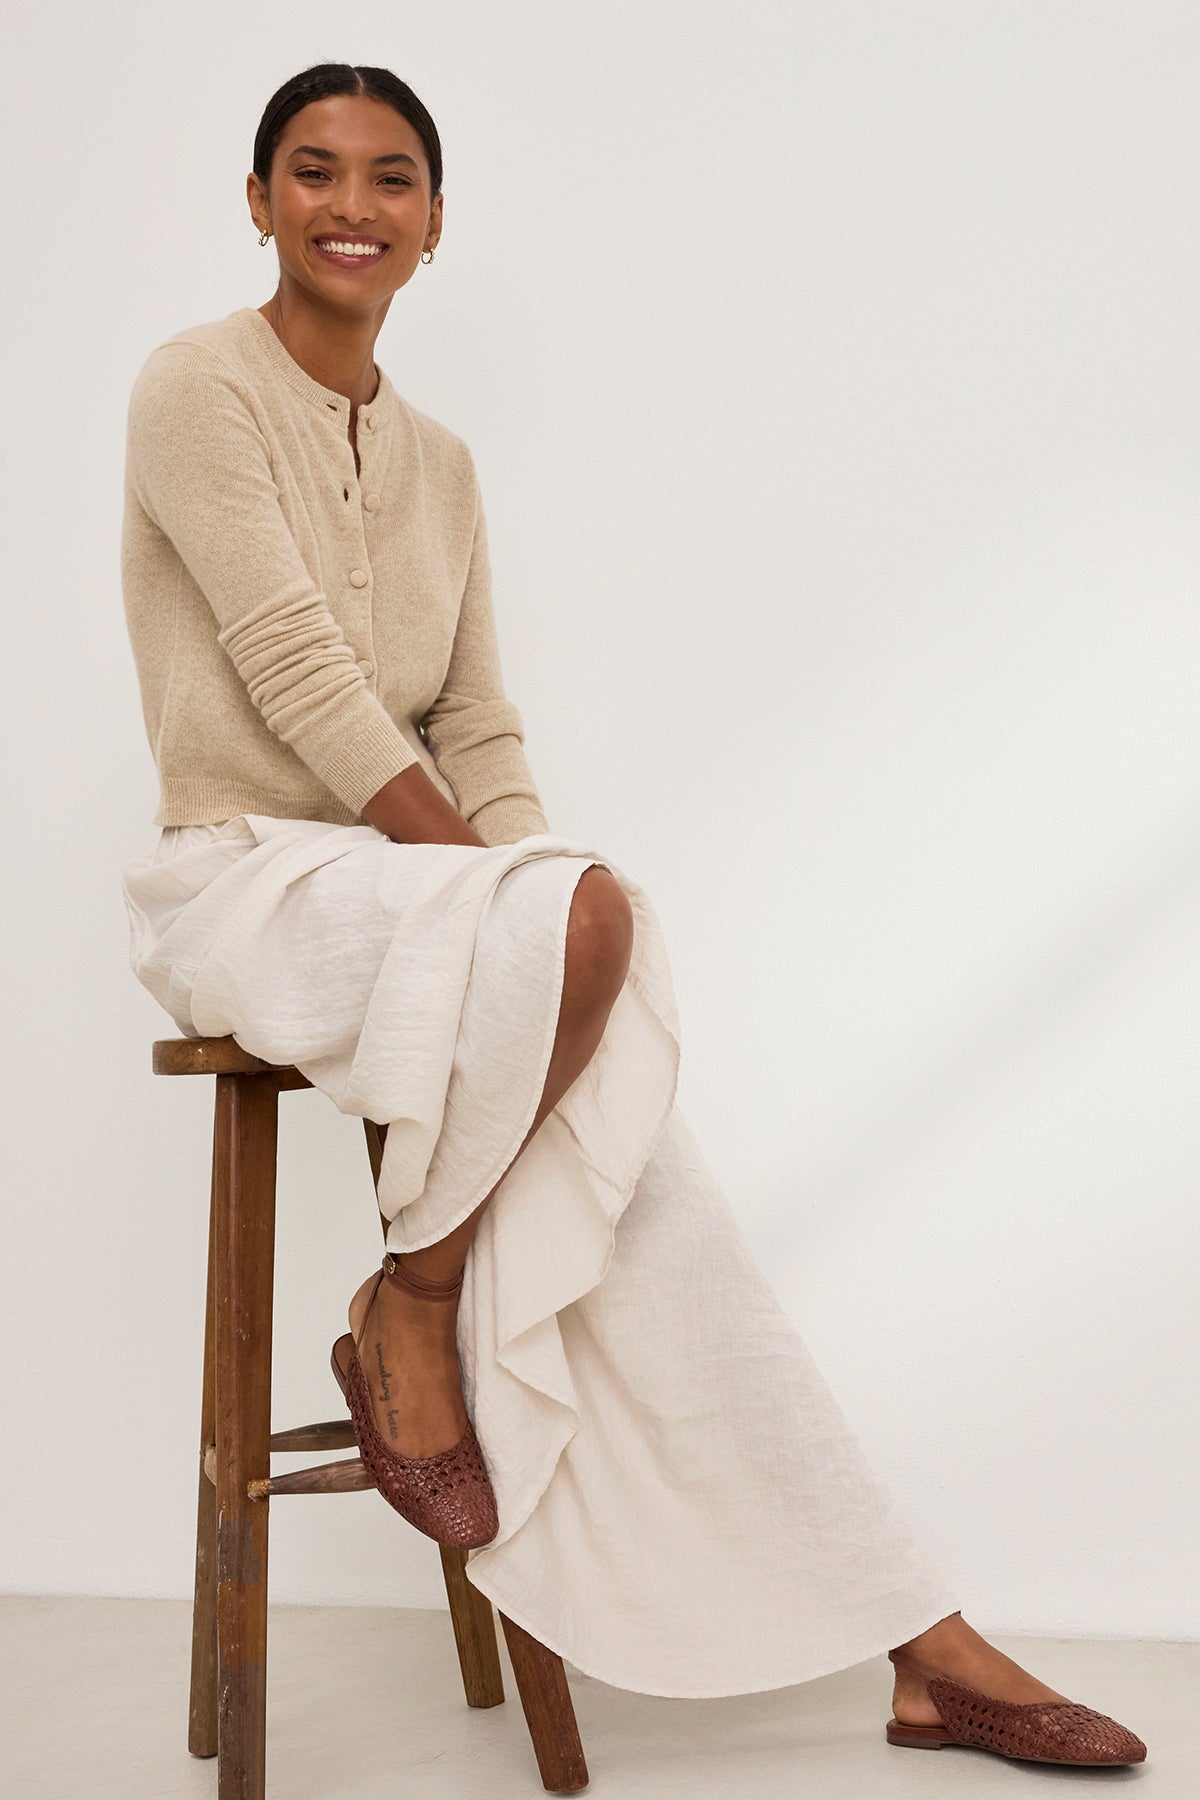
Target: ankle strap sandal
{"x":448,"y":1496}
{"x":422,"y":1285}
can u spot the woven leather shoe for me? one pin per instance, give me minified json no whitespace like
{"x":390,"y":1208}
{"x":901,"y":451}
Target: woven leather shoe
{"x":449,"y":1495}
{"x":1055,"y":1731}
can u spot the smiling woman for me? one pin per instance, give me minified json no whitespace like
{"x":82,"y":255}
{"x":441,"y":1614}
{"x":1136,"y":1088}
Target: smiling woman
{"x":344,"y":179}
{"x":348,"y":247}
{"x":570,"y":1364}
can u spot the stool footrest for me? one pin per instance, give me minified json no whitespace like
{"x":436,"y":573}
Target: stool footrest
{"x":333,"y":1434}
{"x":346,"y":1477}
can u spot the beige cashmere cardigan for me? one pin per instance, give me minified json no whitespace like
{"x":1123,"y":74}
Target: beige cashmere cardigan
{"x":303,"y":632}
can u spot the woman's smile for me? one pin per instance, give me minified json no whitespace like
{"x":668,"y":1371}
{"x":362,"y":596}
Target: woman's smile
{"x":350,"y":252}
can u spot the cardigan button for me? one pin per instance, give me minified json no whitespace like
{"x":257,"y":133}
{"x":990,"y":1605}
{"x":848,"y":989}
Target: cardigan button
{"x":371,"y":502}
{"x":359,"y":578}
{"x":367,"y":667}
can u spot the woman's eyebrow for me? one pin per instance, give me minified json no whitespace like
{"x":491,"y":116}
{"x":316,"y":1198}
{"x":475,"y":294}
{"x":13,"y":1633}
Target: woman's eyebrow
{"x":394,"y":156}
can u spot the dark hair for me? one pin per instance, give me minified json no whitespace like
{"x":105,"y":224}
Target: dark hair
{"x":324,"y":79}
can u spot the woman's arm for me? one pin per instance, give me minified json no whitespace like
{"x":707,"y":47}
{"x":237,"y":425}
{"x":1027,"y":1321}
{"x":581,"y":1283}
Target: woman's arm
{"x":410,"y":810}
{"x":474,"y":732}
{"x":201,"y":471}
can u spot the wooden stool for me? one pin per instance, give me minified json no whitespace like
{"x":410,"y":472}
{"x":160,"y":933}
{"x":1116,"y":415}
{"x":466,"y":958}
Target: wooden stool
{"x":229,"y":1622}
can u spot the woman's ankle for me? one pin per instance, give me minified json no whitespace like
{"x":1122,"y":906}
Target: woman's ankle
{"x":424,"y":1269}
{"x":915,"y":1650}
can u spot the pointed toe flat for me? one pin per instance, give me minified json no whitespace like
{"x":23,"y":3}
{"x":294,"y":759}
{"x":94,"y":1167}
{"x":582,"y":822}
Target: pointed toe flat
{"x":1057,"y":1731}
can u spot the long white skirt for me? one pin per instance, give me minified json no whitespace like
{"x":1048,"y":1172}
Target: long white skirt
{"x":683,"y":1508}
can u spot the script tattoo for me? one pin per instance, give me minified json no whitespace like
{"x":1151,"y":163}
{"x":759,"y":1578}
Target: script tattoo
{"x":385,"y":1376}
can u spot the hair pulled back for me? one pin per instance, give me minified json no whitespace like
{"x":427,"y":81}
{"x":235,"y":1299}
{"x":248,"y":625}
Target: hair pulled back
{"x":322,"y":80}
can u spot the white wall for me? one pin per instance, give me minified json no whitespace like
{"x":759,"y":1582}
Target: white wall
{"x":831,"y":375}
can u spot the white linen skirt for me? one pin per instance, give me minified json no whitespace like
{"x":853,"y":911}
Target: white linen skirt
{"x":683,"y":1508}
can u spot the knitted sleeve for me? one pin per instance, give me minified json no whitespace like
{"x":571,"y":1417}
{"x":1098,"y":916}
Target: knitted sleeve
{"x":473,"y":730}
{"x":201,"y":470}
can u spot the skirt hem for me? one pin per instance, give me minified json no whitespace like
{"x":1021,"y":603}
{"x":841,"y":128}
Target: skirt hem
{"x":921,"y":1620}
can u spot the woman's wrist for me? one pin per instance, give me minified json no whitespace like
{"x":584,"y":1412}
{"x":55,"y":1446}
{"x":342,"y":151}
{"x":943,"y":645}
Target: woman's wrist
{"x":410,"y":810}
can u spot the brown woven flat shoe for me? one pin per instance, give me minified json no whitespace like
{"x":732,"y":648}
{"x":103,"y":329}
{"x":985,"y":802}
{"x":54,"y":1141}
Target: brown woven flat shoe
{"x":1056,"y":1731}
{"x":449,"y":1495}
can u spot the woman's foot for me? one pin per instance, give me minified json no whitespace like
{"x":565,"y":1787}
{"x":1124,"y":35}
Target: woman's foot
{"x":954,"y":1648}
{"x":407,"y":1346}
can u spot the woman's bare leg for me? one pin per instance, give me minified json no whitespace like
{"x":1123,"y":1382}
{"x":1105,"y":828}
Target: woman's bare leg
{"x":413,"y":1340}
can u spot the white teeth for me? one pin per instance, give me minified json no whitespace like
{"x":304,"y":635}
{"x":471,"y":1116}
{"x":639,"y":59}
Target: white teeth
{"x":350,"y":249}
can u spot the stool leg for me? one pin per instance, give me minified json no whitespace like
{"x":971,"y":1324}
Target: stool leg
{"x":202,"y":1714}
{"x":247,"y":1116}
{"x":549,"y":1710}
{"x":474,"y":1631}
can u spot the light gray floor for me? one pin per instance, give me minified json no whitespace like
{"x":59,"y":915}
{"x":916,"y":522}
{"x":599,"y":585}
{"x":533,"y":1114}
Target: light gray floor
{"x":365,"y":1705}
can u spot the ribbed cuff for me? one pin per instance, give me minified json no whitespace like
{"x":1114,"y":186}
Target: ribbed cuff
{"x":358,"y":769}
{"x":508,"y":819}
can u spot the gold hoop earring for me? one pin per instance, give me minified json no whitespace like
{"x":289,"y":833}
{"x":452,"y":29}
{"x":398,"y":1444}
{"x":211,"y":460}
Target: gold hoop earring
{"x":430,"y":256}
{"x":263,"y":236}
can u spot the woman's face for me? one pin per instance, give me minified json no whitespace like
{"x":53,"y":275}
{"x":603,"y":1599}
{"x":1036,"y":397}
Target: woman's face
{"x":351,"y":170}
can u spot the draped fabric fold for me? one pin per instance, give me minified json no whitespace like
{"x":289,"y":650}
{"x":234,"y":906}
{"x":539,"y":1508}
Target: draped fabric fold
{"x":683,"y":1508}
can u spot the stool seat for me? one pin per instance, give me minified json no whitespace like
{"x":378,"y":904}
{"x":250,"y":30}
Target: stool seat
{"x":209,"y":1056}
{"x":229,"y":1619}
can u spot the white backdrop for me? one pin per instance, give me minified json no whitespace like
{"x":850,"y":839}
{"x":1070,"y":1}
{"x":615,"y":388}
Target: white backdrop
{"x":830,"y":371}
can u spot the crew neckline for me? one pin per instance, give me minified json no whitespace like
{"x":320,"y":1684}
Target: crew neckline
{"x":281,"y":359}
